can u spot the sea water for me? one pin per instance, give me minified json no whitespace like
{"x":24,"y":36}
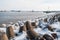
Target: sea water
{"x":6,"y":17}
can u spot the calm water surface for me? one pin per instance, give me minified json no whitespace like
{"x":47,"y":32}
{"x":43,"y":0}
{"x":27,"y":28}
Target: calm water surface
{"x":6,"y":17}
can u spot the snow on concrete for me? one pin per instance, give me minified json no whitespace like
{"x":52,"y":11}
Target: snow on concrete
{"x":22,"y":36}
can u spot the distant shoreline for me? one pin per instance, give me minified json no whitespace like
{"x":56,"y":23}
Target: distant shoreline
{"x":25,"y":11}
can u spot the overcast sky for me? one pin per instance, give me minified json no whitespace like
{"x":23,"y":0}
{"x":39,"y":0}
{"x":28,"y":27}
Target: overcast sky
{"x":29,"y":4}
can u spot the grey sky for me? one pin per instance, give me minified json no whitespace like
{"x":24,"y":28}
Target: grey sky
{"x":29,"y":4}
